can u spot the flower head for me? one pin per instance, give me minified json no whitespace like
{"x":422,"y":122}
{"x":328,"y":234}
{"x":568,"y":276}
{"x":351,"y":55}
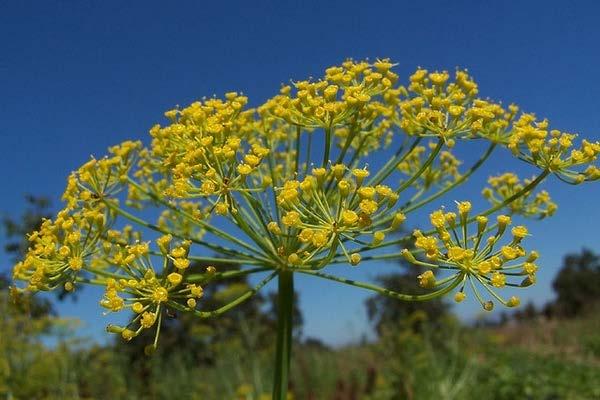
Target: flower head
{"x":475,"y":259}
{"x":507,"y":189}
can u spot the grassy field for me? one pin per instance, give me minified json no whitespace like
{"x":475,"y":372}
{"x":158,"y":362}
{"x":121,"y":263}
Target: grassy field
{"x":536,"y":359}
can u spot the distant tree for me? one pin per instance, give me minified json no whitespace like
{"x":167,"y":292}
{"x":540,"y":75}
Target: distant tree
{"x":577,"y":284}
{"x":315,"y":343}
{"x":16,"y":229}
{"x":527,"y":313}
{"x":384,"y":311}
{"x":24,"y":319}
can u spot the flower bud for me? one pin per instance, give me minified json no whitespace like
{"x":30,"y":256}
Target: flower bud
{"x":399,"y":218}
{"x":378,"y":237}
{"x":514,"y":301}
{"x":459,"y":296}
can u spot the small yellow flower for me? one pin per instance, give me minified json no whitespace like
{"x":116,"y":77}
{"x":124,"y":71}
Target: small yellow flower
{"x":437,"y":219}
{"x":360,"y":175}
{"x":148,"y":319}
{"x":174,"y":278}
{"x":244,"y":169}
{"x":519,"y":232}
{"x":274,"y":228}
{"x":76,"y":263}
{"x":530,"y":268}
{"x":320,"y":239}
{"x":211,"y":270}
{"x":221,"y":208}
{"x":294,"y":259}
{"x":366,"y":192}
{"x":398,"y":220}
{"x":349,"y":217}
{"x":128,"y":334}
{"x":514,"y":301}
{"x":181,"y":263}
{"x":291,"y":218}
{"x":137,"y":307}
{"x":484,"y":267}
{"x":196,"y":291}
{"x":459,"y":297}
{"x":368,"y":206}
{"x":378,"y":238}
{"x":481,"y":223}
{"x":160,"y":295}
{"x":509,"y":253}
{"x":427,"y":280}
{"x":498,"y":280}
{"x":439,"y":78}
{"x":64,"y":251}
{"x":344,"y":187}
{"x":503,"y":220}
{"x":456,"y":253}
{"x":464,"y":207}
{"x":306,"y":235}
{"x":163,"y":243}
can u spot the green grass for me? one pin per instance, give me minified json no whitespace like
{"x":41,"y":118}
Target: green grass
{"x":537,"y":360}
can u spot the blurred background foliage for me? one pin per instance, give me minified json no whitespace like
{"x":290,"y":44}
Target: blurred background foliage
{"x":422,"y":351}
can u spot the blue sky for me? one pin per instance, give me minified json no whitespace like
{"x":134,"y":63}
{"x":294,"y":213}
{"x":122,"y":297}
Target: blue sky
{"x":77,"y":77}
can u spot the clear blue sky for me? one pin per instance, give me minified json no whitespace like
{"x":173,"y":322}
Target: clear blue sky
{"x":79,"y":76}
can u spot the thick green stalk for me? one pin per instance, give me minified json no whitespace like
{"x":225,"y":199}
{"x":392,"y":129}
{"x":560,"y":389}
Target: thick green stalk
{"x":285,"y":308}
{"x":327,"y":146}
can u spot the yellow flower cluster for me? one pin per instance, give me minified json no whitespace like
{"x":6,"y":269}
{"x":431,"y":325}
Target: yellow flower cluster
{"x":474,"y":258}
{"x":99,"y":178}
{"x":552,"y":150}
{"x":140,"y":289}
{"x":506,"y":186}
{"x":207,"y":150}
{"x":326,"y":207}
{"x":253,"y":188}
{"x":440,"y":107}
{"x":61,"y":248}
{"x":341,"y":94}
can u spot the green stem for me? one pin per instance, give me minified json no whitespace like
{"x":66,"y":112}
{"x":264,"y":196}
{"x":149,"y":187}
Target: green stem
{"x":217,"y":248}
{"x":451,"y":186}
{"x":308,"y":147}
{"x":228,"y":306}
{"x":393,"y":163}
{"x":349,"y":139}
{"x":195,"y":278}
{"x":285,"y":308}
{"x":195,"y":221}
{"x":515,"y":196}
{"x":327,"y":146}
{"x":297,"y":148}
{"x":386,"y":292}
{"x":423,"y":168}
